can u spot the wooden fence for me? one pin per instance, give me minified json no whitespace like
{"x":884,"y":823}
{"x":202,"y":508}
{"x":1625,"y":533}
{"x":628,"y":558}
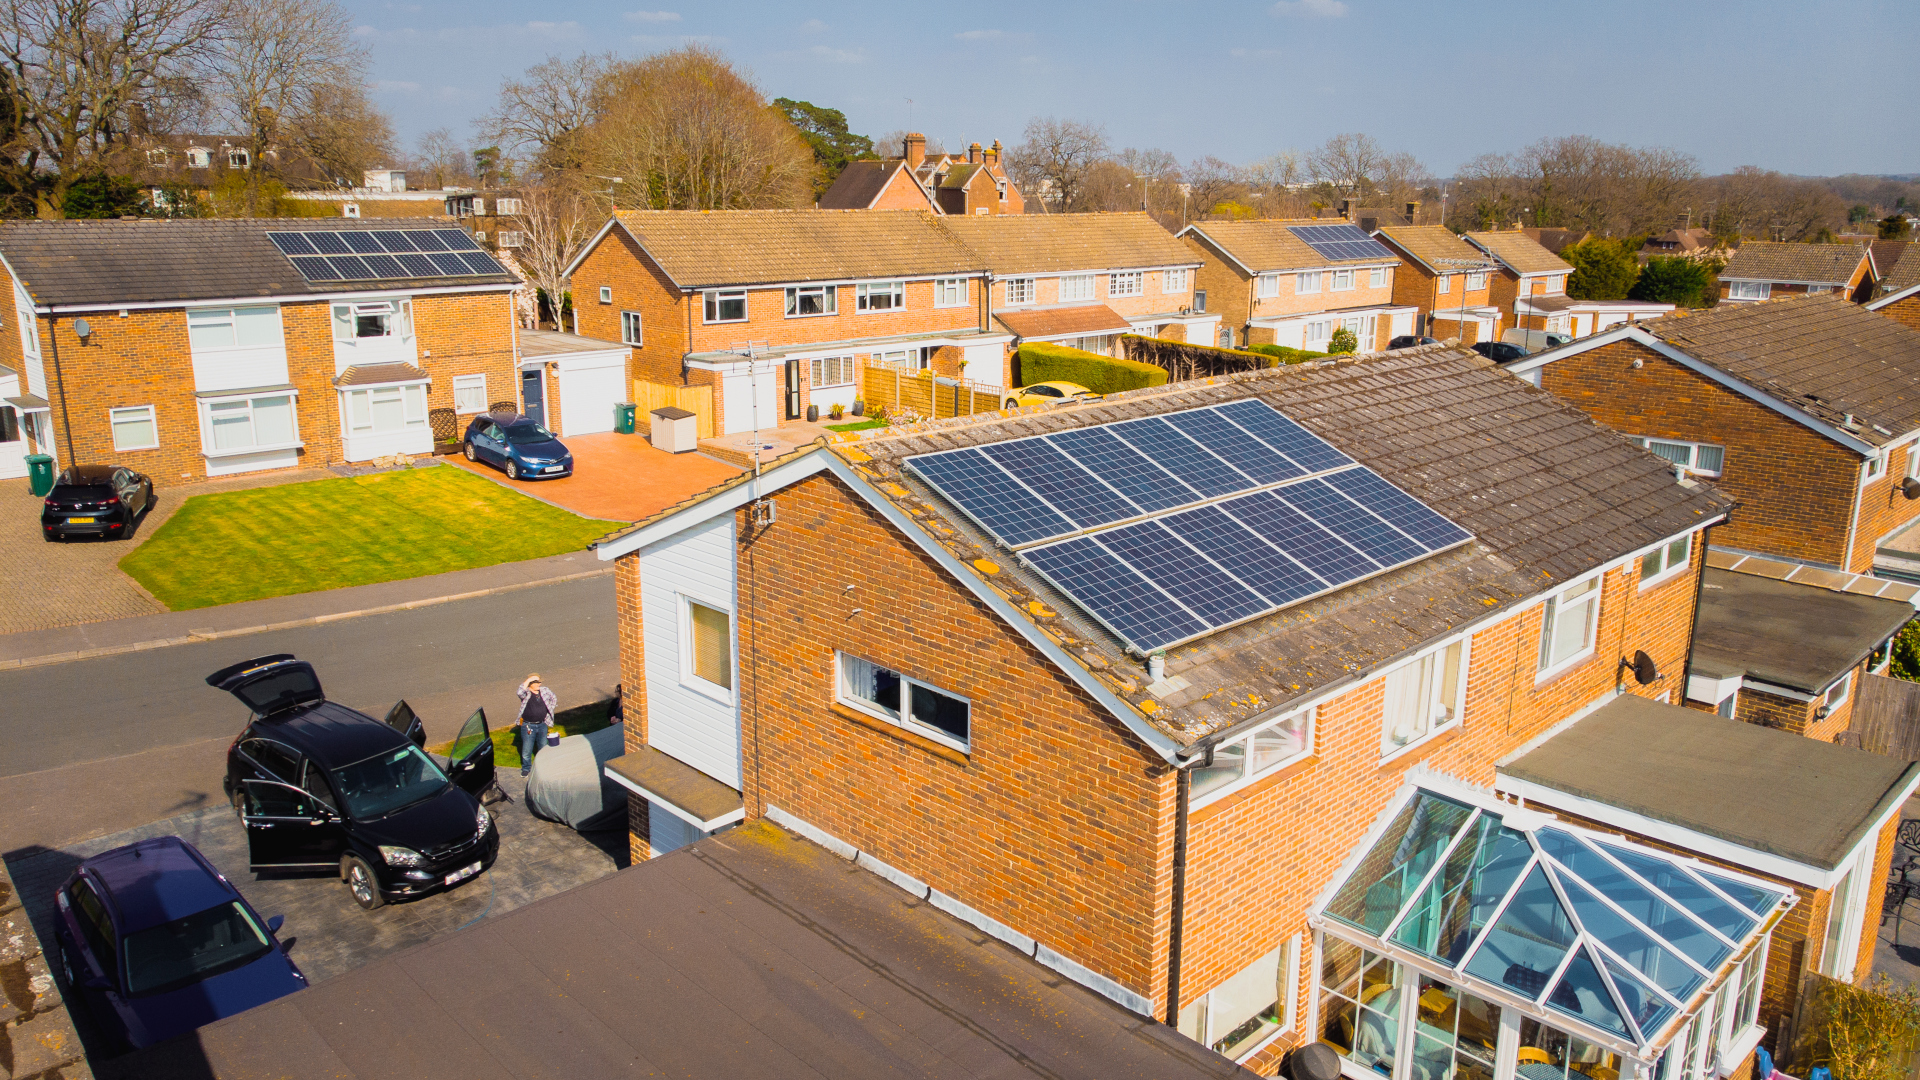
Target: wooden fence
{"x":1886,"y":718}
{"x":902,"y":390}
{"x":649,"y":396}
{"x":1184,"y":360}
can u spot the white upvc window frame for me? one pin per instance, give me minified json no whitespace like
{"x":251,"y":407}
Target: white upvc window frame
{"x":509,"y":207}
{"x":1663,"y":561}
{"x":1476,"y":280}
{"x":867,"y":293}
{"x":632,"y":328}
{"x":822,"y":371}
{"x":905,"y":720}
{"x":409,"y":420}
{"x":1342,"y":281}
{"x":1749,"y":290}
{"x":950,"y":292}
{"x":1443,"y":284}
{"x":207,"y":405}
{"x":1589,"y":593}
{"x":469,"y":383}
{"x":827,"y":295}
{"x":1302,"y":725}
{"x":1078,"y":288}
{"x":710,"y":309}
{"x":1020,"y":291}
{"x":122,"y":414}
{"x":1305,"y":283}
{"x":606,"y":294}
{"x":1198,"y":1021}
{"x":1838,"y":693}
{"x":693,"y":682}
{"x":199,"y":157}
{"x":1429,"y":668}
{"x":232,"y":318}
{"x":1126,"y":283}
{"x":1173,"y":281}
{"x":509,"y":238}
{"x":1692,"y":464}
{"x":1320,"y":330}
{"x":399,"y":314}
{"x":1377,"y":277}
{"x":1874,"y":467}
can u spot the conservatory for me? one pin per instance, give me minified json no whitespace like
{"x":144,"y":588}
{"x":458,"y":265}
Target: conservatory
{"x":1479,"y":940}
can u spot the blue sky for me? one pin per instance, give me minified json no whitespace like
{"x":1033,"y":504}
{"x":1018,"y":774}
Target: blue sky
{"x":1241,"y":81}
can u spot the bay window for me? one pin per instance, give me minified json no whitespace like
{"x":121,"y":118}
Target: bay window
{"x":238,"y":425}
{"x":386,"y":410}
{"x":1567,"y":624}
{"x":899,"y":699}
{"x":1423,"y":697}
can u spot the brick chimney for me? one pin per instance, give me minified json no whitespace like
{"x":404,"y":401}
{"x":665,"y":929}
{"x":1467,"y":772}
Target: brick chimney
{"x":993,"y":155}
{"x":1346,"y":209}
{"x":914,"y":149}
{"x":1413,"y":211}
{"x":973,"y":154}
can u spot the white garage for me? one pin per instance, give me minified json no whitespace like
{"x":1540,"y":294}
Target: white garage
{"x":589,"y":377}
{"x":750,"y":397}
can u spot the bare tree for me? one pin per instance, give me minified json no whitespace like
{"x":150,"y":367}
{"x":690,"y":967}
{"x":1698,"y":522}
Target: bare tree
{"x":1348,"y":165}
{"x":1211,"y":181}
{"x":1277,"y":185}
{"x":539,"y":116}
{"x":343,"y":133}
{"x":556,"y":220}
{"x":273,"y":67}
{"x":1488,"y":191}
{"x":441,"y":159}
{"x":1052,"y":161}
{"x":74,"y":70}
{"x":888,"y":143}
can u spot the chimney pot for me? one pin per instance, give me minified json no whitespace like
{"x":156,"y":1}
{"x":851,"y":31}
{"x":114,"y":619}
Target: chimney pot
{"x":914,"y":149}
{"x":973,"y":154}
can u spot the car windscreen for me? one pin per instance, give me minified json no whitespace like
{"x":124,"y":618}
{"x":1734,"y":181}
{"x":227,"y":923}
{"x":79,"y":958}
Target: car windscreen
{"x":524,"y":434}
{"x":277,"y":690}
{"x":388,"y":781}
{"x":200,"y":946}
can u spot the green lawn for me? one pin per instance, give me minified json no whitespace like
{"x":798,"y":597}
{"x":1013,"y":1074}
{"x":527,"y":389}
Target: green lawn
{"x":857,"y":425}
{"x":325,"y":534}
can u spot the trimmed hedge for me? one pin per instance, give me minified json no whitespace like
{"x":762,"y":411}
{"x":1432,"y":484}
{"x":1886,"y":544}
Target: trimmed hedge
{"x":1286,"y":355}
{"x":1037,"y":362}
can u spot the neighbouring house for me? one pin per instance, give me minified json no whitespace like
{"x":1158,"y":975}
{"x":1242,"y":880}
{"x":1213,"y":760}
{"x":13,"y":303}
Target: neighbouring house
{"x":570,"y":383}
{"x":1373,"y":217}
{"x":1762,"y":270}
{"x":1446,"y":280}
{"x":1899,"y":297}
{"x":1557,"y":240}
{"x":1130,"y":685}
{"x":1082,"y":280}
{"x":1530,"y":290}
{"x":382,"y":193}
{"x":780,"y":310}
{"x":1294,"y":283}
{"x":1693,"y":242}
{"x":194,"y":348}
{"x":977,"y":184}
{"x":1886,"y":262}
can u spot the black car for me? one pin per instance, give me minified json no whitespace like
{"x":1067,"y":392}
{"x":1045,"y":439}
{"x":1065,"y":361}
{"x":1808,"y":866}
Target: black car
{"x":95,"y":500}
{"x":1408,"y":341}
{"x":1499,"y":351}
{"x":322,"y":786}
{"x":519,"y":445}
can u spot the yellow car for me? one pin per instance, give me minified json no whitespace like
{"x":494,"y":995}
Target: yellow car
{"x":1045,"y":393}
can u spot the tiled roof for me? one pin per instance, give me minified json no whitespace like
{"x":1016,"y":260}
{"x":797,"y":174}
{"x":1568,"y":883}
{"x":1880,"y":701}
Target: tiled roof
{"x":1557,"y":240}
{"x":958,"y":176}
{"x":1822,"y":354}
{"x":379,"y":374}
{"x":698,"y":249}
{"x":1268,"y":245}
{"x":859,"y":184}
{"x":1521,"y":253}
{"x":110,"y":262}
{"x":1548,"y":493}
{"x":1904,"y":274}
{"x":1050,"y":243}
{"x":1437,"y":247}
{"x":1823,"y":264}
{"x":1052,"y":322}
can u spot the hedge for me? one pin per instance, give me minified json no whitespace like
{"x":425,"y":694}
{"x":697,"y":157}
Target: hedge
{"x":1038,"y":362}
{"x":1286,"y":355}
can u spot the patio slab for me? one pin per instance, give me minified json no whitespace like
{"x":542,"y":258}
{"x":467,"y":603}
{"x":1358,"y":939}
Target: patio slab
{"x":617,"y":477}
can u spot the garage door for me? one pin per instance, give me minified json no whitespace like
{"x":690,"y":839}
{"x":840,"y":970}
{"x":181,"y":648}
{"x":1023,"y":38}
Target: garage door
{"x":589,"y":389}
{"x":749,"y":398}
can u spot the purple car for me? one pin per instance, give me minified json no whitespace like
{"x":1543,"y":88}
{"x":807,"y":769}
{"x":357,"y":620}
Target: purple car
{"x":157,"y":942}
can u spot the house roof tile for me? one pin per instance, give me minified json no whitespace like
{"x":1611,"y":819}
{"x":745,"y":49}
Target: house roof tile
{"x":700,"y":249}
{"x":1437,"y":247}
{"x":1822,"y":264}
{"x":1520,"y":253}
{"x":1269,"y":245}
{"x":1051,"y":243}
{"x":1903,"y":274}
{"x":1052,"y":322}
{"x":379,"y":374}
{"x":859,"y":184}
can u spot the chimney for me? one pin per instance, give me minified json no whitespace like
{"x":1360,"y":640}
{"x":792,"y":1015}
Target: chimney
{"x":973,"y":154}
{"x":1413,"y":211}
{"x":1368,"y":224}
{"x":914,"y":149}
{"x":993,"y":156}
{"x":1346,"y":209}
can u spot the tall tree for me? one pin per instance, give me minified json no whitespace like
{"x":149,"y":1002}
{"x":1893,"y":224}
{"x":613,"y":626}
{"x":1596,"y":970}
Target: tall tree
{"x":1602,"y":269}
{"x":273,"y":59}
{"x":540,"y":116}
{"x":343,"y":133}
{"x":1053,"y":159}
{"x":826,"y":132}
{"x":440,"y":160}
{"x":556,"y":220}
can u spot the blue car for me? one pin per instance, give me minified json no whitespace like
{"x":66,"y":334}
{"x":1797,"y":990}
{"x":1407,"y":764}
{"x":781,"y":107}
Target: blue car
{"x":519,"y":445}
{"x":157,"y":943}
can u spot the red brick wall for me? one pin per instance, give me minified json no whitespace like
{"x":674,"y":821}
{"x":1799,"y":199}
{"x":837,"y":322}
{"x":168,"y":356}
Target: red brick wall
{"x":1905,"y":311}
{"x":638,"y":285}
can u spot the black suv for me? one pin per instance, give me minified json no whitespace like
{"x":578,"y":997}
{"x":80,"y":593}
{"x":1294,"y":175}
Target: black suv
{"x":322,"y":786}
{"x":95,"y":500}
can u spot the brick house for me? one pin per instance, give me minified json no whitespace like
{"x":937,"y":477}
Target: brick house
{"x":976,"y":185}
{"x":207,"y":352}
{"x":781,"y":309}
{"x":1272,"y":287}
{"x":1057,"y":757}
{"x":1530,"y":289}
{"x":1448,"y":281}
{"x":1081,"y":280}
{"x":1899,"y":297}
{"x":1761,"y":270}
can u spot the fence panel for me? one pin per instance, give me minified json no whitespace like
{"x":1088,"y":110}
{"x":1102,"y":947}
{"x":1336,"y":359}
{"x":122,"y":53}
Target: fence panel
{"x":904,"y":390}
{"x":697,"y":400}
{"x":1886,"y":718}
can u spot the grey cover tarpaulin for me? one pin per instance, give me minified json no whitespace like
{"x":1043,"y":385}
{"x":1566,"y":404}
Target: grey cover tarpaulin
{"x":568,"y":784}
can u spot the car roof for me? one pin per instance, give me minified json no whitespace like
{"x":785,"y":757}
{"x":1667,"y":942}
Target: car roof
{"x":158,"y":880}
{"x":87,"y":474}
{"x":331,"y":734}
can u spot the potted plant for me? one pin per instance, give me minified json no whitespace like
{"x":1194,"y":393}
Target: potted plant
{"x":835,"y":412}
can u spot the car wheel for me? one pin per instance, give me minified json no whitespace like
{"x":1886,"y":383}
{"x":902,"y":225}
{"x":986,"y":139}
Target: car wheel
{"x":468,"y":450}
{"x":51,"y":537}
{"x":361,"y":882}
{"x":1011,"y":404}
{"x":513,"y":470}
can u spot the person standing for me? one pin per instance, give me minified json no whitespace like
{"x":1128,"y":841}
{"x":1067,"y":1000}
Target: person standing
{"x":536,"y":713}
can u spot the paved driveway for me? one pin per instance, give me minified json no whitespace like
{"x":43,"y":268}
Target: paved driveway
{"x":618,"y":477}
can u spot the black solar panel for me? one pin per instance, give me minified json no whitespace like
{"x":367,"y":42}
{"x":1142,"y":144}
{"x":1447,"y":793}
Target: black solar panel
{"x":1230,"y":443}
{"x":450,"y":264}
{"x":427,"y":241}
{"x":291,"y":243}
{"x":1182,"y":457}
{"x":1309,"y":451}
{"x":351,"y":266}
{"x":418,"y":266}
{"x":1123,"y":601}
{"x":327,"y":243}
{"x":363,"y":243}
{"x":1145,"y":484}
{"x":984,"y":492}
{"x":1202,"y":587}
{"x":1302,"y":538}
{"x":385,"y":266}
{"x":395,"y":240}
{"x":1267,"y":569}
{"x":1409,"y":514}
{"x":1382,"y":542}
{"x":456,"y":240}
{"x":384,"y":254}
{"x":1340,"y":243}
{"x":315,"y":268}
{"x":479,"y":263}
{"x":1062,"y":484}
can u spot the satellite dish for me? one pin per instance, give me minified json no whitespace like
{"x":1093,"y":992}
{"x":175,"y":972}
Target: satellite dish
{"x":1910,"y":487}
{"x":1644,"y":669}
{"x":81,"y":329}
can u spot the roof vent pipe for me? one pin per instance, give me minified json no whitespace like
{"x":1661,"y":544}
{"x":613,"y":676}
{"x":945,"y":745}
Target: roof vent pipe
{"x":1156,"y":667}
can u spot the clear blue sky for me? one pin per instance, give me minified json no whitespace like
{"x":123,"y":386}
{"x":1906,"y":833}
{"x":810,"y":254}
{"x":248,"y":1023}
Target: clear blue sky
{"x":1809,"y":86}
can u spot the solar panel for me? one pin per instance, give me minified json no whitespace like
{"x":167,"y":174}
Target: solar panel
{"x":351,"y":266}
{"x":1305,"y":540}
{"x":1200,"y":585}
{"x":1372,"y":491}
{"x":1262,"y":566}
{"x":1144,"y":484}
{"x":427,"y":241}
{"x":1181,"y":456}
{"x":1230,"y":443}
{"x":1120,"y":599}
{"x":1062,"y":484}
{"x":314,"y":268}
{"x":327,"y":243}
{"x":1309,"y":451}
{"x":362,"y":243}
{"x":456,"y":240}
{"x":383,"y":254}
{"x":418,"y":266}
{"x":450,"y":264}
{"x":984,"y":492}
{"x":1346,"y":519}
{"x":291,"y":243}
{"x":395,"y":240}
{"x":478,"y":262}
{"x":1340,"y":243}
{"x":385,"y":266}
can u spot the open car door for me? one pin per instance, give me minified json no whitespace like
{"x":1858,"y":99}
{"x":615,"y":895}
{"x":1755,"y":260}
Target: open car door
{"x":289,"y":829}
{"x":401,"y":719}
{"x":470,"y":762}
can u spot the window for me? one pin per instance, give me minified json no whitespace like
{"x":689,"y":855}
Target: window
{"x":1342,"y":281}
{"x":1700,"y":459}
{"x":606,"y":294}
{"x":1476,"y":281}
{"x":1269,"y":285}
{"x":832,"y":371}
{"x":134,"y":428}
{"x":1665,"y":561}
{"x":908,"y":702}
{"x":386,"y":410}
{"x":1547,"y":1053}
{"x":1306,"y":283}
{"x":508,"y":238}
{"x":1746,"y":1005}
{"x":1127,"y":284}
{"x":1076,"y":287}
{"x":1456,"y":1033}
{"x":479,"y":234}
{"x":1359,"y":1004}
{"x":1377,"y":278}
{"x":233,"y":328}
{"x":199,"y":157}
{"x":1811,"y":289}
{"x":804,"y":300}
{"x":238,"y":425}
{"x":1173,"y":281}
{"x":630,"y":328}
{"x":469,"y":393}
{"x":1252,"y":756}
{"x":237,"y":159}
{"x":95,"y":924}
{"x":1876,"y":464}
{"x":1749,"y":290}
{"x":1877,"y":663}
{"x":479,"y":207}
{"x":1445,"y":284}
{"x":381,"y":319}
{"x":710,"y":646}
{"x":1318,"y":330}
{"x":726,"y":305}
{"x":1567,"y":625}
{"x":880,"y":296}
{"x":351,"y":210}
{"x":949,"y":292}
{"x":1199,"y":299}
{"x":1837,"y":695}
{"x":1242,"y":1014}
{"x":1019,"y":291}
{"x":1423,"y":697}
{"x":507,"y":206}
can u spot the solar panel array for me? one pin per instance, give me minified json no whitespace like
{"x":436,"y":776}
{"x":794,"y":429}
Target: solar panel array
{"x":381,"y":254}
{"x":1340,"y":242}
{"x":1170,"y":527}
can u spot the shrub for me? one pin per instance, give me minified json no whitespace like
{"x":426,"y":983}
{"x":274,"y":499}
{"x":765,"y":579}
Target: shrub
{"x":1343,"y":341}
{"x":1870,"y":1030}
{"x":1038,"y":362}
{"x":1602,"y":269}
{"x":1670,"y":279}
{"x":1286,"y":355}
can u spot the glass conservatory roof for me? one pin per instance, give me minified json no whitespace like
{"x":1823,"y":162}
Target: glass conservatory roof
{"x":1588,"y":926}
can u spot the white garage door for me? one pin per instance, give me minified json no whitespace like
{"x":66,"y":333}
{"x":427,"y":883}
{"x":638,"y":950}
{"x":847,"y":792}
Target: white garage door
{"x":589,"y":389}
{"x":743,"y":394}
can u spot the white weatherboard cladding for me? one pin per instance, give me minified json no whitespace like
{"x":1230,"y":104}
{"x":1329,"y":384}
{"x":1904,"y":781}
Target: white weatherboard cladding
{"x":29,"y":342}
{"x":13,"y":455}
{"x":689,"y":725}
{"x":242,"y":367}
{"x":591,"y":384}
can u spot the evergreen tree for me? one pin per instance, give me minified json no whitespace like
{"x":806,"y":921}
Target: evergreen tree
{"x":1602,"y":269}
{"x":1671,"y":280}
{"x":826,"y":132}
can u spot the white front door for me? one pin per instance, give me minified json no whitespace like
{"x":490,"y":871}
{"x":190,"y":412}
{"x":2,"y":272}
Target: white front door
{"x":750,"y":398}
{"x":589,"y":389}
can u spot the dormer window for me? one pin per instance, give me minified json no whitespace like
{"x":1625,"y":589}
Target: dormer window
{"x":199,"y":157}
{"x":157,"y":157}
{"x":237,"y":159}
